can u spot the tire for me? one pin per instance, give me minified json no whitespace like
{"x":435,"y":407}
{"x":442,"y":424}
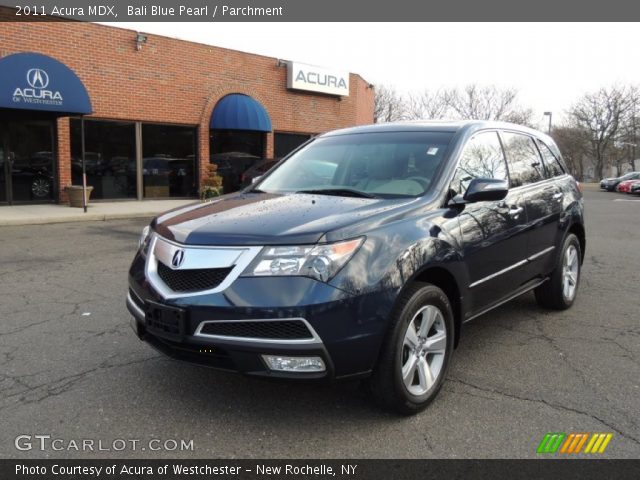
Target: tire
{"x":554,"y":293}
{"x":41,"y":187}
{"x":425,"y":358}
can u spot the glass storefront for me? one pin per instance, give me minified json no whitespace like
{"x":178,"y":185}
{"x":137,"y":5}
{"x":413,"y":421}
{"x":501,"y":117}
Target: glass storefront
{"x":285,"y":143}
{"x":27,"y":166}
{"x":235,"y":152}
{"x":168,"y":161}
{"x":110,"y":157}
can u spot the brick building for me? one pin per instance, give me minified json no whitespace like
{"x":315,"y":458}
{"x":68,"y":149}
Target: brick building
{"x":156,"y":111}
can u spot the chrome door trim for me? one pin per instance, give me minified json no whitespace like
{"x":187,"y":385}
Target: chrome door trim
{"x":511,"y":267}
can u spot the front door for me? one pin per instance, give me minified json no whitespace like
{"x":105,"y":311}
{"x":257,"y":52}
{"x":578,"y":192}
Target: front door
{"x":493,"y":233}
{"x":27,"y":165}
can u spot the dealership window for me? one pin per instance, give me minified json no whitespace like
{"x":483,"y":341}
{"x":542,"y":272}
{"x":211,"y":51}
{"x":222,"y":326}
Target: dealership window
{"x":234,"y":152}
{"x":110,"y":157}
{"x":285,"y":143}
{"x":168,"y":161}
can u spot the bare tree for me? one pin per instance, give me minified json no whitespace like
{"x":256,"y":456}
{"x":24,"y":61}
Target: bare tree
{"x":427,"y":105}
{"x":603,"y":114}
{"x":574,"y":143}
{"x":486,"y":103}
{"x":472,"y":102}
{"x":389,"y":106}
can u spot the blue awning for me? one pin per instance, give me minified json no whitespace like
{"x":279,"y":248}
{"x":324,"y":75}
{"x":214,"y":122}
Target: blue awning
{"x":30,"y":81}
{"x":240,"y":112}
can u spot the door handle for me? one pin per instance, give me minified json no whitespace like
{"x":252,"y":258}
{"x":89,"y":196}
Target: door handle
{"x":514,"y":212}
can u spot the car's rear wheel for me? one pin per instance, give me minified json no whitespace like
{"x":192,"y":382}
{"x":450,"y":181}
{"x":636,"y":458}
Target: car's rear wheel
{"x":560,"y":291}
{"x":416,"y":353}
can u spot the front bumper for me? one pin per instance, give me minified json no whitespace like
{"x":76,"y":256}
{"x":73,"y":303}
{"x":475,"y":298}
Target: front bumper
{"x":346,"y":330}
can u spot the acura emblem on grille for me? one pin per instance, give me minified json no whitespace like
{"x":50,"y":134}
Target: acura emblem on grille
{"x":178,"y":258}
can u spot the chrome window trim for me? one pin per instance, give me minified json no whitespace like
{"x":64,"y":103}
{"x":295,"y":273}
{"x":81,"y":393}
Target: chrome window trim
{"x":511,"y":267}
{"x":306,"y":341}
{"x":245,"y":255}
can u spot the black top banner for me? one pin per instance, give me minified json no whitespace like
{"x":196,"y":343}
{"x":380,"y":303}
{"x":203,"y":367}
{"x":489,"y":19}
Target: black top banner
{"x":319,"y":11}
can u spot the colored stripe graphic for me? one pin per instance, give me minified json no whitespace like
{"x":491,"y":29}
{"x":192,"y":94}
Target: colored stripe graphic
{"x":573,"y":443}
{"x":550,"y":442}
{"x":598,"y":443}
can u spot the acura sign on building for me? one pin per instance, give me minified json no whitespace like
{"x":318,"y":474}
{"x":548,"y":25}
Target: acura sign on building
{"x":317,"y":79}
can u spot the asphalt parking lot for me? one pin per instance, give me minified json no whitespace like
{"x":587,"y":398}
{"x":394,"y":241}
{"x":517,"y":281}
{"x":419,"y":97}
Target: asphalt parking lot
{"x":70,"y":366}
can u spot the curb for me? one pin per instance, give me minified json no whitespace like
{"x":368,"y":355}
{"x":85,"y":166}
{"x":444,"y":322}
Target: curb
{"x":89,"y":217}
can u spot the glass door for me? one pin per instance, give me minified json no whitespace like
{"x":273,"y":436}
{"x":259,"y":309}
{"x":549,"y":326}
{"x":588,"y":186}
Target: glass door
{"x":27,"y":157}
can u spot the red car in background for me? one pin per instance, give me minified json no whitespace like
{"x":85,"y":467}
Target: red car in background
{"x":625,"y":187}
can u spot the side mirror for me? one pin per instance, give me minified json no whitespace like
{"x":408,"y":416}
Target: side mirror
{"x":486,"y":190}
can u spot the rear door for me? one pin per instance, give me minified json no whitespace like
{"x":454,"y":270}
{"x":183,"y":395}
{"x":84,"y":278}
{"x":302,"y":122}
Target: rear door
{"x":492,"y":233}
{"x":542,"y":197}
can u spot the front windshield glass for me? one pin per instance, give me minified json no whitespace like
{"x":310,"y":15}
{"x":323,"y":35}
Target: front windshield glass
{"x":386,"y":165}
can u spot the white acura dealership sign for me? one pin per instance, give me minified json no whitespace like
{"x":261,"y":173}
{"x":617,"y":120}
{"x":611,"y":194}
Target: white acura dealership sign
{"x":317,"y":79}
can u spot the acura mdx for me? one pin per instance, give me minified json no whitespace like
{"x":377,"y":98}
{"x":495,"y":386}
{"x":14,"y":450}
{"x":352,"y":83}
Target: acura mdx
{"x":362,"y":254}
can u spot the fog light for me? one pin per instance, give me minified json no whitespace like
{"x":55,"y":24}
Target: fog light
{"x":294,"y":364}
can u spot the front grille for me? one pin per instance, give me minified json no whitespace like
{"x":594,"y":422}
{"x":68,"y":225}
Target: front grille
{"x":193,"y":280}
{"x":270,"y":330}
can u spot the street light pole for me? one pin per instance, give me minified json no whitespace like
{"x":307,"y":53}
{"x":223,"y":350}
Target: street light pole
{"x":549,"y":114}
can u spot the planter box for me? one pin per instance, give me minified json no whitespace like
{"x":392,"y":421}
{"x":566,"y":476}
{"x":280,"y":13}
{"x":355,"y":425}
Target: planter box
{"x":75,"y":195}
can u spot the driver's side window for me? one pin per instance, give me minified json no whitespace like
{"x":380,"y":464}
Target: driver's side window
{"x":482,"y":157}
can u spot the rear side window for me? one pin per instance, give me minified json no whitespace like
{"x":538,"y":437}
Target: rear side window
{"x":525,"y":164}
{"x":482,"y":157}
{"x":550,"y":160}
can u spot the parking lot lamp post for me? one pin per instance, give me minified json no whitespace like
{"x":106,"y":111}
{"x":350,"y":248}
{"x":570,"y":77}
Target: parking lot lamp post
{"x":549,"y":114}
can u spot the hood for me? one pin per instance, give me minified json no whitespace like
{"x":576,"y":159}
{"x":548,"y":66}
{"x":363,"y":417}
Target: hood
{"x":268,"y":219}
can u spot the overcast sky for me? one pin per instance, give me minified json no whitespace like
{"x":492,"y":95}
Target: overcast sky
{"x":549,"y":63}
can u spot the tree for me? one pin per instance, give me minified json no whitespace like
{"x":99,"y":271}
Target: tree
{"x":573,"y":142}
{"x":603,"y":114}
{"x":487,"y":103}
{"x":388,"y":106}
{"x":472,"y":102}
{"x":427,"y":105}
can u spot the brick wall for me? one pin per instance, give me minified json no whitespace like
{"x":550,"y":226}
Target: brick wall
{"x":174,"y":81}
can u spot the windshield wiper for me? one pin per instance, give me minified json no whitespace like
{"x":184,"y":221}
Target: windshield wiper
{"x":340,"y":192}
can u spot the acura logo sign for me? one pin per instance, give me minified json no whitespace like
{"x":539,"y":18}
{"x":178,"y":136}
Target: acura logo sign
{"x":178,"y":258}
{"x":37,"y":78}
{"x":36,"y":92}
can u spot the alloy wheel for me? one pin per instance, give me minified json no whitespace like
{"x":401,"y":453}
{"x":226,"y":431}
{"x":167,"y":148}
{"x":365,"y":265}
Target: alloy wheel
{"x":40,"y":187}
{"x":570,"y":271}
{"x":423,"y":350}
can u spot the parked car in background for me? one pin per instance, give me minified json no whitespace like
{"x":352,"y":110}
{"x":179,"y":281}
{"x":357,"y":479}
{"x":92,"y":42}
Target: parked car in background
{"x":625,"y":186}
{"x":256,"y":171}
{"x":362,"y":254}
{"x":610,"y":184}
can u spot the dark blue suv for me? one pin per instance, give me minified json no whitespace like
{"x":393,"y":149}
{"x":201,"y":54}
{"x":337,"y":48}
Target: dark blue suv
{"x":362,"y":254}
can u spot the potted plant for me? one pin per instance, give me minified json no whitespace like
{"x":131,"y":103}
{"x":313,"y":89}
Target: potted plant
{"x":212,"y":184}
{"x":74,"y":192}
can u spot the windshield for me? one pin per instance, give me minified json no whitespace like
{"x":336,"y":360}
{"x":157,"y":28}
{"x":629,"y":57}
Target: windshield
{"x":385,"y":165}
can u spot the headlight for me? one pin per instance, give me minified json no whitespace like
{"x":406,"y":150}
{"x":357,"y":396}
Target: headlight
{"x":143,"y":241}
{"x":321,"y":262}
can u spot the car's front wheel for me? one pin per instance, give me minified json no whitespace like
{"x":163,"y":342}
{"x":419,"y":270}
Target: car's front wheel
{"x":416,"y":353}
